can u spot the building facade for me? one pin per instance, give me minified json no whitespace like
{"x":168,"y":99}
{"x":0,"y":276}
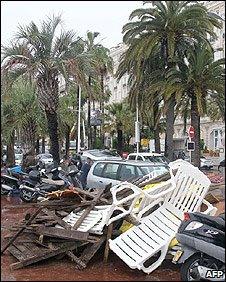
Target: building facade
{"x":212,"y":133}
{"x":218,"y":7}
{"x":119,"y":89}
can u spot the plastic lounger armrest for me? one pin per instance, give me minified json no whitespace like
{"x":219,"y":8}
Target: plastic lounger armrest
{"x":150,"y":194}
{"x":148,"y":207}
{"x":211,"y":210}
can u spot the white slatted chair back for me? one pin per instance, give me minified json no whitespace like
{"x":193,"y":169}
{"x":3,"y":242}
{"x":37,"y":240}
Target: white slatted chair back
{"x":191,"y":187}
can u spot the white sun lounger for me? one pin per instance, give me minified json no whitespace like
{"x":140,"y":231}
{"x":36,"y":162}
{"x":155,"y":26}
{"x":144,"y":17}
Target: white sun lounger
{"x":155,"y":231}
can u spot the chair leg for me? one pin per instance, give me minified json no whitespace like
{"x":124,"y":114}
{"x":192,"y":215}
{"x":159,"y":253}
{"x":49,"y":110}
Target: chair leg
{"x":157,"y":263}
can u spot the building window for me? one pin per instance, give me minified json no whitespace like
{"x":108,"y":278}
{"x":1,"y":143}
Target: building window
{"x":217,"y":138}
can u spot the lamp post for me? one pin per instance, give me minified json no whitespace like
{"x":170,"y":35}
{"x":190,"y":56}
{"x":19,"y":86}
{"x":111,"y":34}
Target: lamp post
{"x":137,"y":128}
{"x":79,"y":120}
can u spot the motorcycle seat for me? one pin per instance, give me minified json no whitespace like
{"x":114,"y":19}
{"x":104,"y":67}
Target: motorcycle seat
{"x":214,"y":221}
{"x":73,"y":172}
{"x":53,"y":182}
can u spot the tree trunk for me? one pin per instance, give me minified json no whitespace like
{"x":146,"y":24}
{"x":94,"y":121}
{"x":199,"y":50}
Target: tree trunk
{"x":10,"y":154}
{"x":37,"y":146}
{"x":169,"y":146}
{"x":119,"y":141}
{"x":156,"y":130}
{"x":52,"y":123}
{"x":67,"y":140}
{"x":29,"y":143}
{"x":157,"y":140}
{"x":195,"y":122}
{"x":89,"y":133}
{"x":94,"y":137}
{"x":43,"y":145}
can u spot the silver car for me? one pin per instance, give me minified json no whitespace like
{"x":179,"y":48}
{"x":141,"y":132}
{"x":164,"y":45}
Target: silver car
{"x":104,"y":172}
{"x":98,"y":155}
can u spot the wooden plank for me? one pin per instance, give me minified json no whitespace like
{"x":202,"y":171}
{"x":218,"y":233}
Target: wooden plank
{"x":16,"y":253}
{"x":109,"y":234}
{"x":90,"y":251}
{"x":88,"y":209}
{"x":24,"y":250}
{"x":57,"y":218}
{"x":21,"y":230}
{"x":41,"y":257}
{"x":62,"y":233}
{"x":78,"y":261}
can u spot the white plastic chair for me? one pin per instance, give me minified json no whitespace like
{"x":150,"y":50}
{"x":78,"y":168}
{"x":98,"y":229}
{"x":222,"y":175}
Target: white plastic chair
{"x":156,"y":230}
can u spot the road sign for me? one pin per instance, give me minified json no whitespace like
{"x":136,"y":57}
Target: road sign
{"x":190,"y":146}
{"x":191,"y":132}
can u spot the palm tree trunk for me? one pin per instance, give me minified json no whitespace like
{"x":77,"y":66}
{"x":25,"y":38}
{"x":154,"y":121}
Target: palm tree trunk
{"x":37,"y":146}
{"x":119,"y":140}
{"x":29,"y":141}
{"x":52,"y":123}
{"x":169,"y":146}
{"x":195,"y":122}
{"x":157,"y":140}
{"x":156,"y":130}
{"x":10,"y":154}
{"x":43,"y":144}
{"x":67,"y":140}
{"x":94,"y":137}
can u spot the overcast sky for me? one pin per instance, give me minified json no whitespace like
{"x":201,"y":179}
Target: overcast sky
{"x":106,"y":17}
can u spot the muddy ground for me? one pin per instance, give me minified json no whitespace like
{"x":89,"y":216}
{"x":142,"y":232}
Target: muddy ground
{"x":64,"y":270}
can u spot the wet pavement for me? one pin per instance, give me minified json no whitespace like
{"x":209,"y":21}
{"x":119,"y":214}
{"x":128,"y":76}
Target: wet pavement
{"x":64,"y":270}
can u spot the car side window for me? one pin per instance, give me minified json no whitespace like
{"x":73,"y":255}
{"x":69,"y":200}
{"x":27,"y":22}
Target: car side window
{"x":110,"y":171}
{"x":127,"y":172}
{"x":132,"y":157}
{"x":139,"y":172}
{"x":139,"y":158}
{"x":98,"y":169}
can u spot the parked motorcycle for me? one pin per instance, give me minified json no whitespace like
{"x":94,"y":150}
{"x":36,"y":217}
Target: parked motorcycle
{"x":39,"y":184}
{"x":201,"y":247}
{"x":10,"y":181}
{"x":6,"y":189}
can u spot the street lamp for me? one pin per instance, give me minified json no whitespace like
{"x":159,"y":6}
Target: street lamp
{"x":79,"y":120}
{"x":137,"y":128}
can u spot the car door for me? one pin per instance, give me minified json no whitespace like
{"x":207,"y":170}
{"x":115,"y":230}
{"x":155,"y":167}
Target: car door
{"x":127,"y":172}
{"x":94,"y":177}
{"x":110,"y":174}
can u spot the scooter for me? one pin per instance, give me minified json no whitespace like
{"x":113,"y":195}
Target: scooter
{"x":201,"y":249}
{"x":39,"y":184}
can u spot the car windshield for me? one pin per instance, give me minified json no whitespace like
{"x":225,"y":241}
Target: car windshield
{"x":155,"y":159}
{"x":157,"y":169}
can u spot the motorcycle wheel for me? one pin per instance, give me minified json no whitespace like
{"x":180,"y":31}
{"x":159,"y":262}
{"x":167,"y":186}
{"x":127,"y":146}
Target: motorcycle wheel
{"x":27,"y":196}
{"x":4,"y":192}
{"x":189,"y":271}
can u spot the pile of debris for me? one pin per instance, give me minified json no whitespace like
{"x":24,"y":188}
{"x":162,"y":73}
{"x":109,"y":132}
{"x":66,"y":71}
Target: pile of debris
{"x":72,"y":223}
{"x":76,"y":223}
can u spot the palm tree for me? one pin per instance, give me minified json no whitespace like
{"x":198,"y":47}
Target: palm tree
{"x":172,"y":27}
{"x":103,"y":65}
{"x":198,"y":80}
{"x":121,"y":119}
{"x":42,"y":55}
{"x":22,"y":114}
